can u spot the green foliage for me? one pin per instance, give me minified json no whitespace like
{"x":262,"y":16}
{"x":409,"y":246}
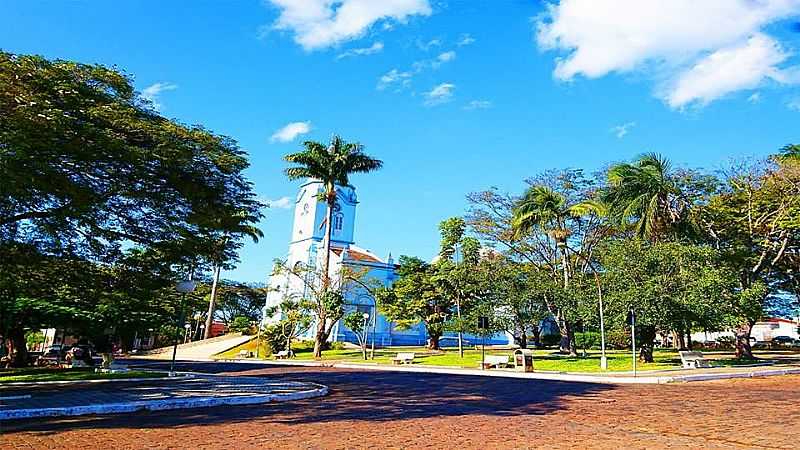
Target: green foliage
{"x":242,"y":325}
{"x":103,"y":200}
{"x":415,"y":297}
{"x":588,"y":339}
{"x":34,"y":337}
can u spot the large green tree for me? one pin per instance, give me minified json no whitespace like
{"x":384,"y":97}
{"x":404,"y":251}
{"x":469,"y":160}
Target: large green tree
{"x":416,"y":296}
{"x":755,"y":222}
{"x":89,"y":168}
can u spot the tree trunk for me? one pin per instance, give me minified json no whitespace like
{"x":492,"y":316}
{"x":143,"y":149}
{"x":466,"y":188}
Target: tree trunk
{"x":536,"y":338}
{"x":567,"y":344}
{"x":20,"y":355}
{"x":647,"y":333}
{"x":689,"y":344}
{"x":742,"y":333}
{"x":679,"y":341}
{"x":523,"y":340}
{"x":326,"y":241}
{"x":433,"y":341}
{"x":212,"y":302}
{"x":320,"y":337}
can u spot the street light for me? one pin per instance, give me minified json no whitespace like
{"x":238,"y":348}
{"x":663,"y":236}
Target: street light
{"x":364,"y":331}
{"x":184,"y":287}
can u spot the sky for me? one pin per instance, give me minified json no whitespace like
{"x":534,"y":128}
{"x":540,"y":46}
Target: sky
{"x":454,"y":96}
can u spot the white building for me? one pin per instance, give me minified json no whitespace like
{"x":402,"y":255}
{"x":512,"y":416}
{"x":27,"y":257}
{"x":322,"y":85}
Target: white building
{"x":763,"y":330}
{"x":306,"y":248}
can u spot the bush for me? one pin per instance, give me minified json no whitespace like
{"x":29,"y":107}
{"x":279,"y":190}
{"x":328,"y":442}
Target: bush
{"x":618,"y":339}
{"x":550,"y":340}
{"x":241,"y":324}
{"x":589,"y":339}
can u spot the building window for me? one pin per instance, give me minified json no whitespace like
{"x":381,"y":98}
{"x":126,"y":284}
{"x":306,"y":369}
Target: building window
{"x":337,"y":222}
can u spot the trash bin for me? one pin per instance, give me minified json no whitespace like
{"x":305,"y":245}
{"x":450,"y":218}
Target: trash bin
{"x":523,"y":360}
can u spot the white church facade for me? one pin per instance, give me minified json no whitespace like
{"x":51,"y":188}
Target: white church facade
{"x":306,"y":248}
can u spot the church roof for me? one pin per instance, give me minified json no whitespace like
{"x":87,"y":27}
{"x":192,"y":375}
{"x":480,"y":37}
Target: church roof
{"x":358,"y":254}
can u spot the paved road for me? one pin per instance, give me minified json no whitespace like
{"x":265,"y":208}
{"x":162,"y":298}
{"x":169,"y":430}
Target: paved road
{"x":405,"y":410}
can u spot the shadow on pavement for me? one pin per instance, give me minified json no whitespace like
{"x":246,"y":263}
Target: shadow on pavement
{"x":354,"y":396}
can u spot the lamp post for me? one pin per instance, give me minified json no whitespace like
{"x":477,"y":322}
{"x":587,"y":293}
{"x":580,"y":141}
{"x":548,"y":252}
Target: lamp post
{"x":184,"y":287}
{"x":365,"y":331}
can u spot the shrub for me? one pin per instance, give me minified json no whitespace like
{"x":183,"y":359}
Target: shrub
{"x":550,"y":340}
{"x":241,"y":324}
{"x":618,"y":339}
{"x":588,"y":339}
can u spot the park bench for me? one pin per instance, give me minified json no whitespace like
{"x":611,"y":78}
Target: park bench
{"x":694,"y":360}
{"x":283,"y":354}
{"x":403,"y":358}
{"x":498,"y":361}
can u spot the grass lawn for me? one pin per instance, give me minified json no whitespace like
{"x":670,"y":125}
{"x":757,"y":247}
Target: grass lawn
{"x":544,"y":360}
{"x":33,"y":374}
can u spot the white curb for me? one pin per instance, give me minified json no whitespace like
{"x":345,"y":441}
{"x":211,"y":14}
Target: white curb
{"x":160,"y":405}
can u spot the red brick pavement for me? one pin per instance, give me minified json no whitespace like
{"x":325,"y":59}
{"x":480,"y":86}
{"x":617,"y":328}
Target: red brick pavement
{"x":400,"y":410}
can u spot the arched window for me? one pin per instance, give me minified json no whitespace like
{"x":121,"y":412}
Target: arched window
{"x":338,"y":220}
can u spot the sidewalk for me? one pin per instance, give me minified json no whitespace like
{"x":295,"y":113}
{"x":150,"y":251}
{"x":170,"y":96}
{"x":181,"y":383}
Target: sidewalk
{"x":646,"y":377}
{"x":18,"y":402}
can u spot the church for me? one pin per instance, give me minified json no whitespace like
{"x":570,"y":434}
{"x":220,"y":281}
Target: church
{"x":306,"y":247}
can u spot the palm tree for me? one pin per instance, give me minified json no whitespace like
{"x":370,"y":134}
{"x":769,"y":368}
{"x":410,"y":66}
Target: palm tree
{"x":543,"y":208}
{"x":645,"y":194}
{"x":332,"y":165}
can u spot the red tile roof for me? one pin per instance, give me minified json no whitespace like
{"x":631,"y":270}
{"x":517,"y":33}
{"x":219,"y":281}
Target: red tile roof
{"x":355,"y":255}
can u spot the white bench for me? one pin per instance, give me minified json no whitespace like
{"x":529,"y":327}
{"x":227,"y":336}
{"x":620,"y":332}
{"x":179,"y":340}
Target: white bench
{"x":244,"y":354}
{"x":283,"y":354}
{"x":694,"y":360}
{"x":498,"y":361}
{"x":403,"y":358}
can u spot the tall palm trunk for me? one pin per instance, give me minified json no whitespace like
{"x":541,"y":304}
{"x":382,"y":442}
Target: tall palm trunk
{"x":212,"y":302}
{"x":322,"y":335}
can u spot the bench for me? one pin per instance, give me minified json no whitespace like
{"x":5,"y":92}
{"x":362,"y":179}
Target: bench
{"x":498,"y":361}
{"x":244,"y":354}
{"x":694,"y":360}
{"x":403,"y":358}
{"x":283,"y":354}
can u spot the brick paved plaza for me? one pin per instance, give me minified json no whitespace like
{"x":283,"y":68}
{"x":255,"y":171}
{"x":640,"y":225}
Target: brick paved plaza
{"x":402,"y":410}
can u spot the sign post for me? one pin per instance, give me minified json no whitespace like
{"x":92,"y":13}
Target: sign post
{"x":483,"y":325}
{"x":632,"y":322}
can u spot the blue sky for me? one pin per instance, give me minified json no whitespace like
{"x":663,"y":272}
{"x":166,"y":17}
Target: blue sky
{"x":455,"y":96}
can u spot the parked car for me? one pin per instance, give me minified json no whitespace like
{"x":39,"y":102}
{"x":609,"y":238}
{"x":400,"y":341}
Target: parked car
{"x":783,"y":341}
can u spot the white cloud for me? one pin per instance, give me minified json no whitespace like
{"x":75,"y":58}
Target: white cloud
{"x":478,"y":104}
{"x":465,"y":39}
{"x":621,"y":130}
{"x":794,"y":104}
{"x":281,"y":203}
{"x":755,"y":97}
{"x":318,"y":24}
{"x":446,"y":57}
{"x":688,"y":46}
{"x":394,"y":78}
{"x":442,"y":93}
{"x":425,"y":46}
{"x":289,"y":132}
{"x":377,"y":47}
{"x":153,"y":92}
{"x":727,"y":70}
